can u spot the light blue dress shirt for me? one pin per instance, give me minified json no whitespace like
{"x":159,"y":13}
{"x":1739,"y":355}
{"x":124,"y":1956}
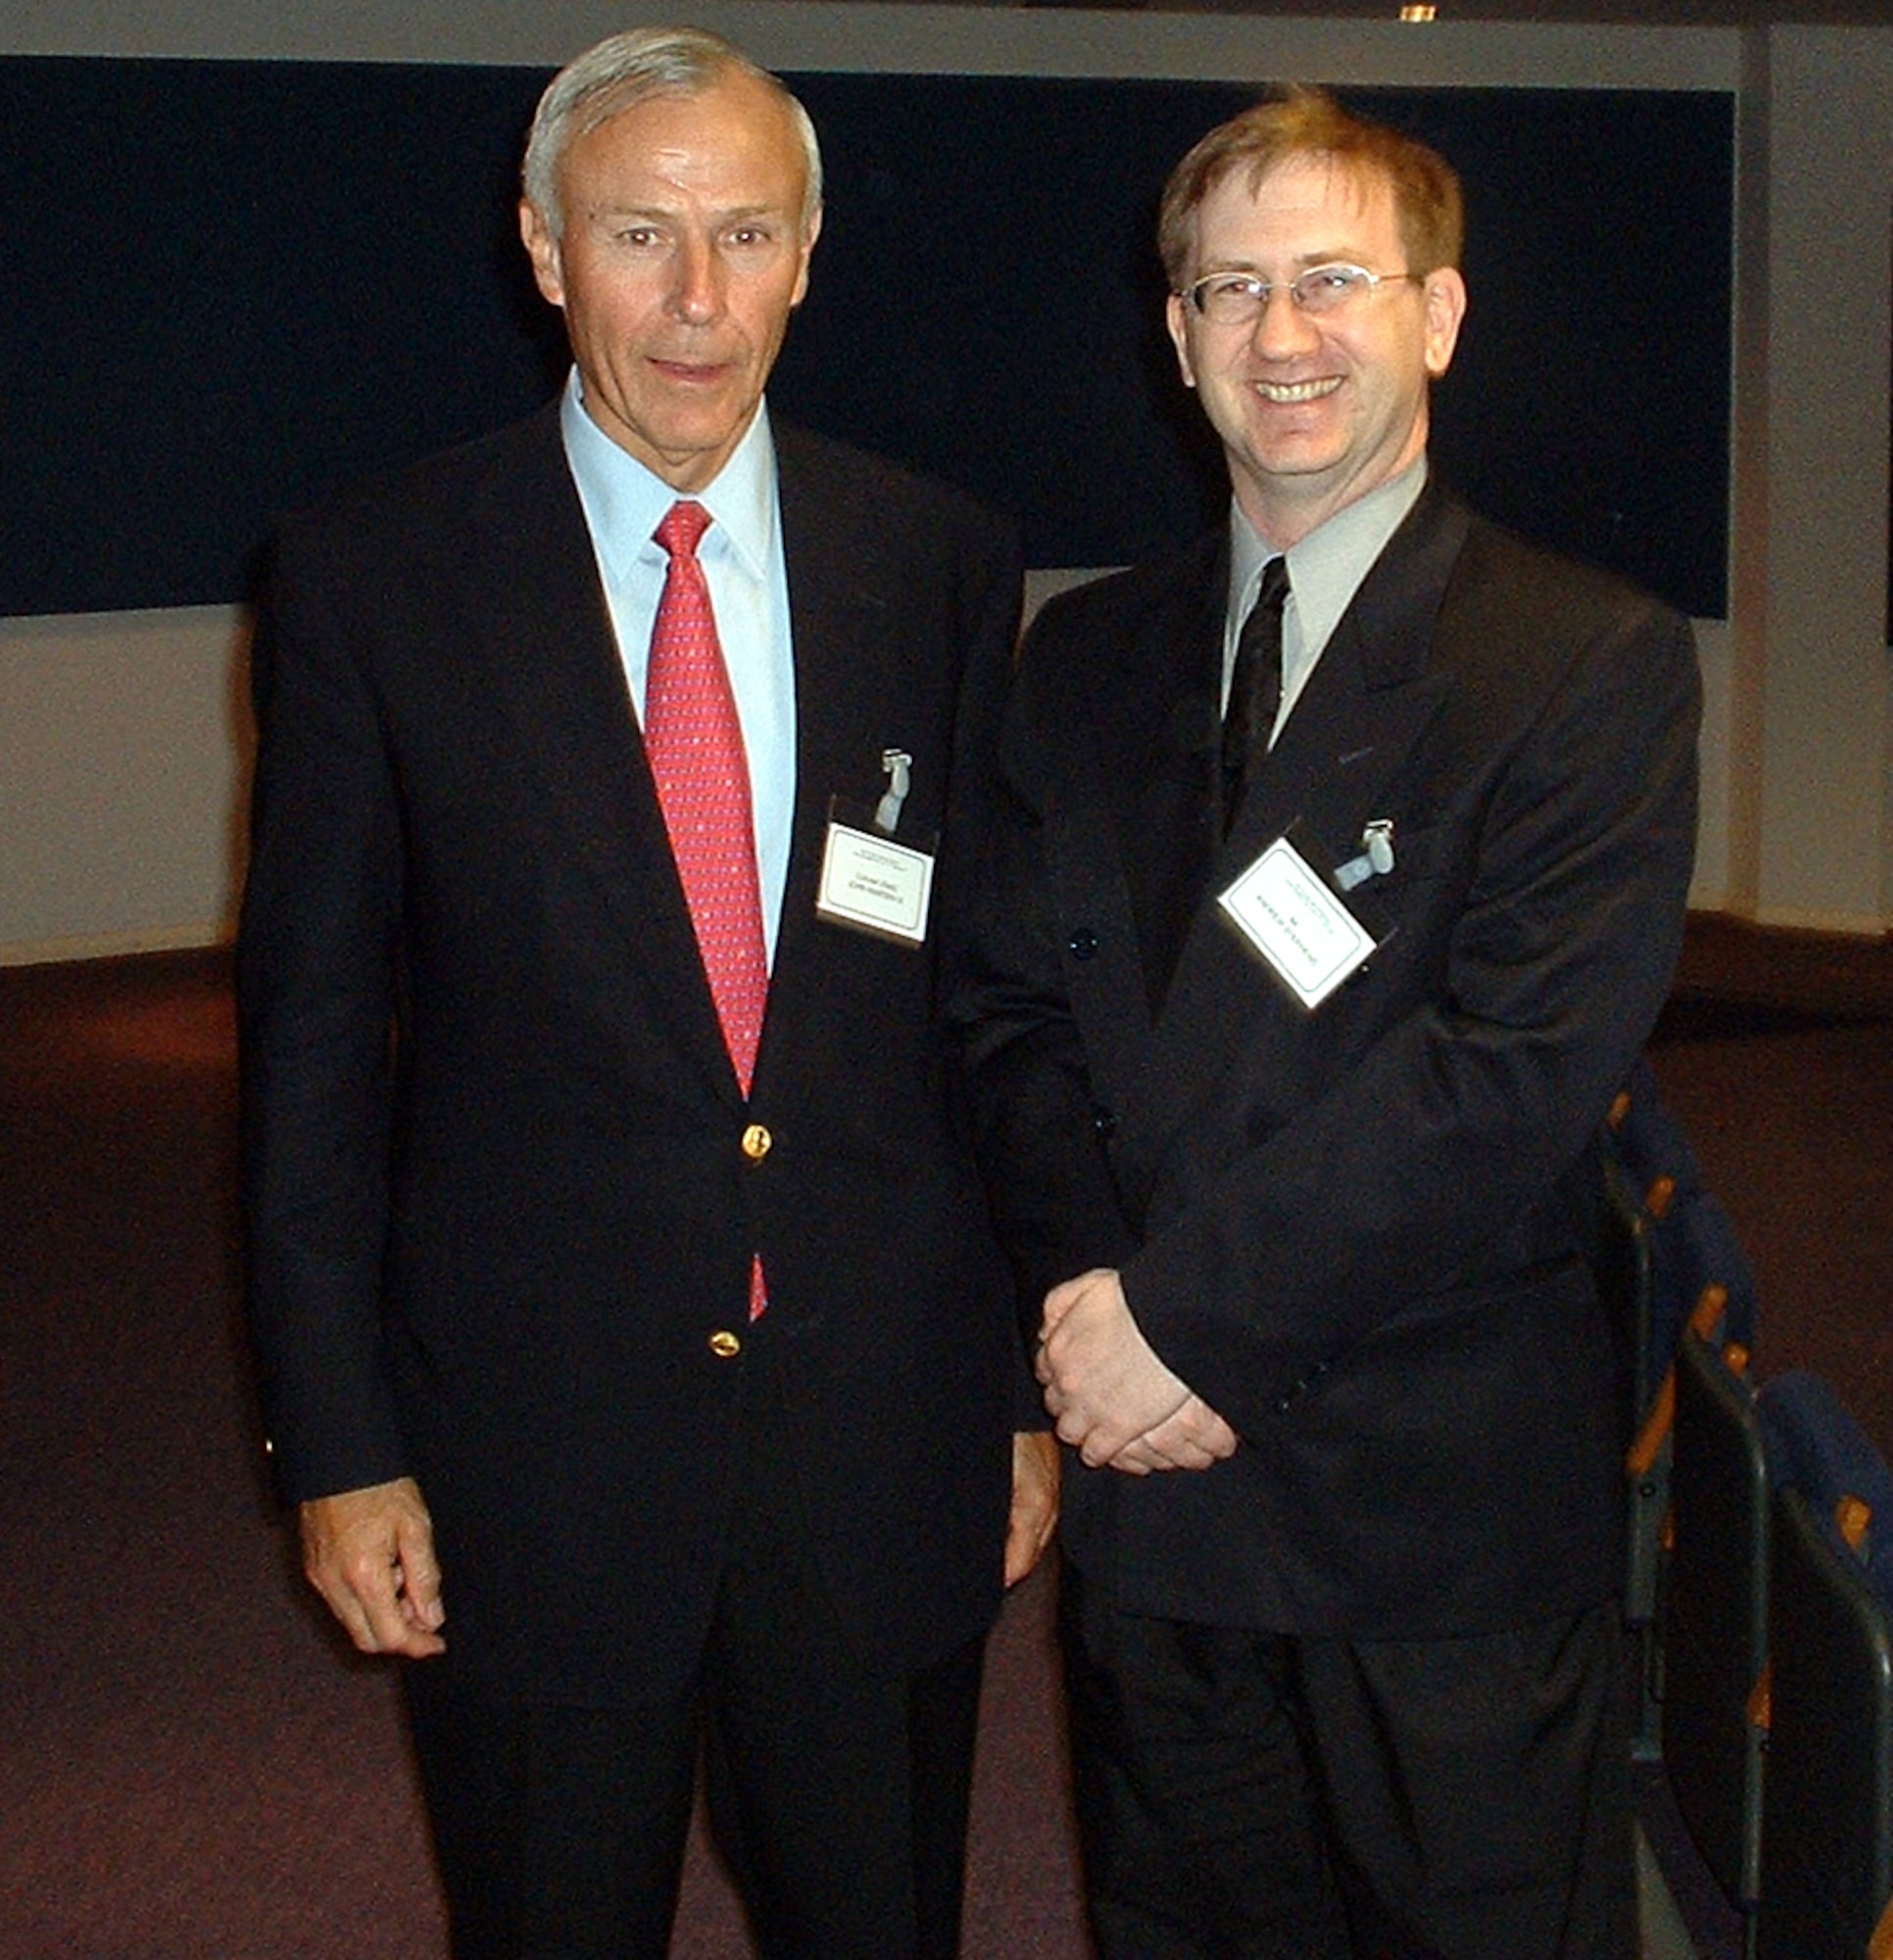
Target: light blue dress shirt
{"x":743,"y":562}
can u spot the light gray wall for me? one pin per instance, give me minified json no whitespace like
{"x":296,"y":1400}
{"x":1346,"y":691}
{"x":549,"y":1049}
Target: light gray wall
{"x":122,"y":744}
{"x":1811,"y":549}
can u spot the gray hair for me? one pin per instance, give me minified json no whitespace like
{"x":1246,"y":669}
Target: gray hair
{"x":607,"y":80}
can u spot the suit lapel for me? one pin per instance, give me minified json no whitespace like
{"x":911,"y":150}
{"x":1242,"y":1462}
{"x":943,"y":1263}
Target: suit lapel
{"x":1156,"y":736}
{"x":1373,"y":691}
{"x":537,"y":620}
{"x":1143,"y":786}
{"x":846,"y":620}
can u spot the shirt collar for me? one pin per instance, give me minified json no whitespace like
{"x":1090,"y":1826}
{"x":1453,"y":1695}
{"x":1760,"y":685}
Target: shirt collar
{"x":625,"y":501}
{"x":1325,"y":569}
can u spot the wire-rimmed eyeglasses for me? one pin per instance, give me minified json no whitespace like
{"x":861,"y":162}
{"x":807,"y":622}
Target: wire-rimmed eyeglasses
{"x":1237,"y":299}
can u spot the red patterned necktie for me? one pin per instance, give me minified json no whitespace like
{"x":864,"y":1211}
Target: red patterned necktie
{"x":694,"y":742}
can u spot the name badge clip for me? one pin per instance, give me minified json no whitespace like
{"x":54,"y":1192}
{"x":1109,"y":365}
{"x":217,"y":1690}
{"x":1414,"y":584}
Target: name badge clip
{"x":899,"y":765}
{"x":1375,"y":859}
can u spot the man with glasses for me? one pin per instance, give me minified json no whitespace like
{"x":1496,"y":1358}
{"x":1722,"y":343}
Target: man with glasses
{"x":1341,"y":878}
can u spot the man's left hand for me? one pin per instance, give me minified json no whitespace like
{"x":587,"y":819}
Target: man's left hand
{"x":1103,"y":1383}
{"x":1035,"y":1501}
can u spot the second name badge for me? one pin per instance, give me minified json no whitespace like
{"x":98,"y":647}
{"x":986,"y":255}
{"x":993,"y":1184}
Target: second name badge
{"x":1292,"y":915}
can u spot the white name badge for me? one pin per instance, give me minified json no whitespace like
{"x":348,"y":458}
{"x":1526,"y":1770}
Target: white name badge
{"x":1285,"y":910}
{"x":875,"y":885}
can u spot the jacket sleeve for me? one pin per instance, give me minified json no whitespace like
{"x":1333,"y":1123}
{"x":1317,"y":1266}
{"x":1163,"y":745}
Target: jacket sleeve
{"x":316,"y":957}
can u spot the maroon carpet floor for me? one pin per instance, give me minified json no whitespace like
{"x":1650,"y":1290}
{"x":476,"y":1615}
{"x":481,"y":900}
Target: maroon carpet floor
{"x":191,"y":1764}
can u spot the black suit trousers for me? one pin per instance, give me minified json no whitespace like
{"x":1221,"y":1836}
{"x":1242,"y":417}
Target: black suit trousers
{"x":1247,"y":1795}
{"x":837,"y":1792}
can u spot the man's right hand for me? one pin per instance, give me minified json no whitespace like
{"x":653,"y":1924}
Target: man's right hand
{"x":1195,"y":1437}
{"x":370,"y":1554}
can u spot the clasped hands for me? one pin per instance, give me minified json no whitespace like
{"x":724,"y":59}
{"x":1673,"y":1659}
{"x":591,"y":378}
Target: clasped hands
{"x":1109,"y":1394}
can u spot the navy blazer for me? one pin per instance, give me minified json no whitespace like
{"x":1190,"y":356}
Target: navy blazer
{"x":500,"y":1211}
{"x":1359,"y":1232}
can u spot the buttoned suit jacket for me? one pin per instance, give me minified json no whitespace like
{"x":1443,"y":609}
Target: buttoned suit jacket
{"x":500,"y":1211}
{"x":1360,"y":1231}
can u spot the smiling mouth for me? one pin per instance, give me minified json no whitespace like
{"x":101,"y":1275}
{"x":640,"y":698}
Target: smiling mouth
{"x":1285,"y":394}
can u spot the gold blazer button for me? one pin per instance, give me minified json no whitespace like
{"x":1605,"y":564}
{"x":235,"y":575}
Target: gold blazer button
{"x":755,"y":1142}
{"x":724,"y":1345}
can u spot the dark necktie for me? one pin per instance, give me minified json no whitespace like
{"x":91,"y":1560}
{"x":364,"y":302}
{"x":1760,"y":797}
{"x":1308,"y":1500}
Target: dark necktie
{"x":1254,"y":688}
{"x":694,"y":742}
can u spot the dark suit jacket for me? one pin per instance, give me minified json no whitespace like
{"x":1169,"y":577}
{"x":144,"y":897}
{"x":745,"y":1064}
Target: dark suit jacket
{"x":1358,"y":1231}
{"x":497,"y":1200}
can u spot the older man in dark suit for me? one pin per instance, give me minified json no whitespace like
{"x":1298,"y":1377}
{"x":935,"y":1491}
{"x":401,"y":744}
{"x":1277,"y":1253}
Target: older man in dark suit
{"x":619,"y":1277}
{"x":1295,"y":1026}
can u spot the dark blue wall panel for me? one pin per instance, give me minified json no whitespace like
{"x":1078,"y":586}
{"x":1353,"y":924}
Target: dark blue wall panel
{"x":232,"y":285}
